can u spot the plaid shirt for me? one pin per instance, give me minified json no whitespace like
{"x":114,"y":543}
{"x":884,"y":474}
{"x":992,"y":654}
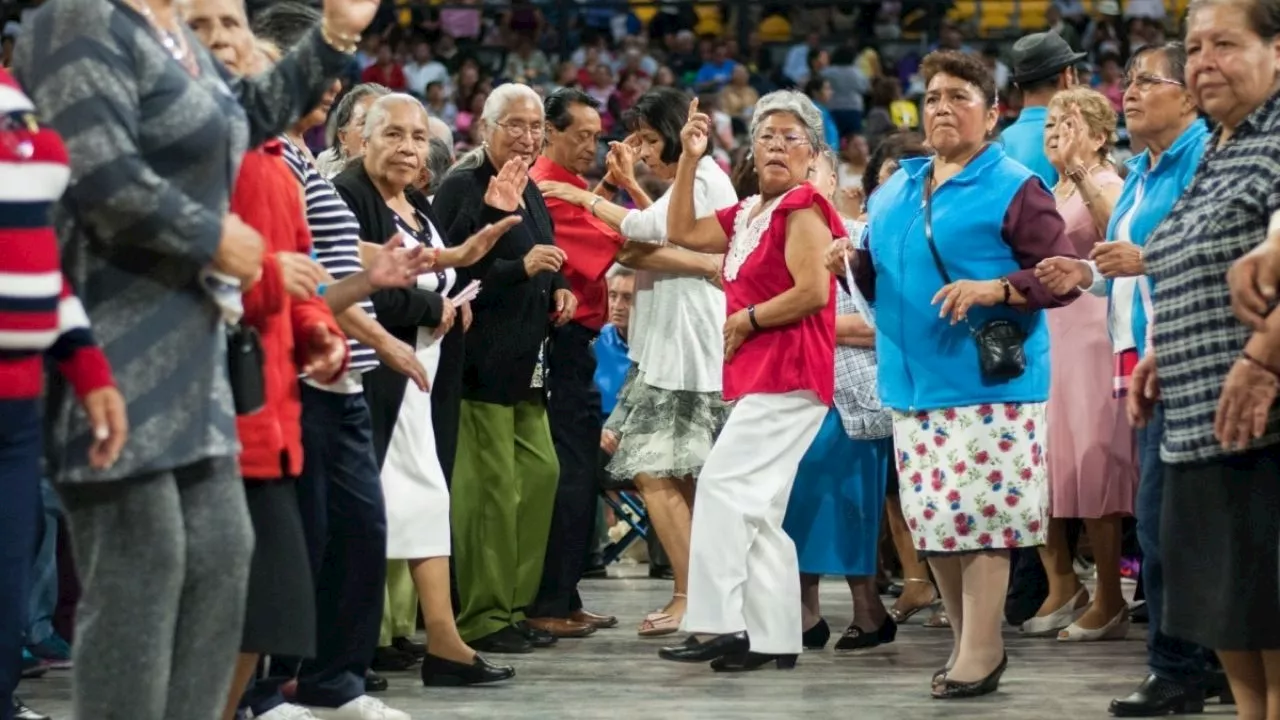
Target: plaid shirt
{"x":857,"y":396}
{"x":1221,"y":216}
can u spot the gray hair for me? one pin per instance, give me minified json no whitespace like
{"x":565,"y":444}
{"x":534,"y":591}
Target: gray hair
{"x":440,"y":129}
{"x":793,"y":103}
{"x":495,"y":108}
{"x":341,"y":116}
{"x":618,"y":271}
{"x":376,"y":117}
{"x":833,"y":159}
{"x":439,"y":159}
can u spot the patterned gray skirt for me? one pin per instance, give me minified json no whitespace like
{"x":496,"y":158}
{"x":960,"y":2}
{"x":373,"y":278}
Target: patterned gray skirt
{"x":663,"y":433}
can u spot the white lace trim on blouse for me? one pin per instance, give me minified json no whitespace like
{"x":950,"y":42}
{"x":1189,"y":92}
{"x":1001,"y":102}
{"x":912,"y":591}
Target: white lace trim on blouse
{"x":747,"y":235}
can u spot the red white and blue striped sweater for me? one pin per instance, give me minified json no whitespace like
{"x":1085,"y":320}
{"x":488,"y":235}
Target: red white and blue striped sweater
{"x":39,"y":315}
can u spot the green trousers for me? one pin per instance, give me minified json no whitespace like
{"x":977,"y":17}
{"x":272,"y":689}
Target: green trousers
{"x":503,"y":493}
{"x":400,"y":604}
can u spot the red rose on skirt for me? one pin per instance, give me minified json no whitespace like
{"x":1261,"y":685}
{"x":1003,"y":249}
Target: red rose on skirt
{"x":1033,"y":526}
{"x":1011,"y":412}
{"x":995,"y":476}
{"x":1011,"y":500}
{"x":949,"y":543}
{"x":921,"y":449}
{"x":1005,"y":446}
{"x":921,"y":544}
{"x":953,"y":496}
{"x":984,"y":539}
{"x":1025,"y":473}
{"x":989,"y":511}
{"x":949,"y":414}
{"x":928,"y":514}
{"x":959,"y":467}
{"x":982,"y":457}
{"x":937,"y":484}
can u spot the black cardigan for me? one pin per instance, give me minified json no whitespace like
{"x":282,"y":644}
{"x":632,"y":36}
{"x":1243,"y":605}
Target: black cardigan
{"x":402,"y":312}
{"x":513,"y":311}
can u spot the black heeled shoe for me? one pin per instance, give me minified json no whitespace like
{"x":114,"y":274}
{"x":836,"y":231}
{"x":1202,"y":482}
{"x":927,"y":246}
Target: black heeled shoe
{"x":952,"y":690}
{"x":816,"y":637}
{"x":855,"y":638}
{"x":439,"y":672}
{"x":693,"y":651}
{"x":748,"y":661}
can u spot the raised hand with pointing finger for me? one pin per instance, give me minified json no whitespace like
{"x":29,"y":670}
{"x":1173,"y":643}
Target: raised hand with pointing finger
{"x":696,"y":133}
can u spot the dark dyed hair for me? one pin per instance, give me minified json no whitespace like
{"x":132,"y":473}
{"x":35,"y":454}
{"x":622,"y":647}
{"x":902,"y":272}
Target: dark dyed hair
{"x":960,"y":65}
{"x":1263,"y":16}
{"x":285,"y":23}
{"x":893,"y":148}
{"x":814,"y":86}
{"x":666,"y":110}
{"x":559,"y":104}
{"x":1174,"y":55}
{"x":744,"y":178}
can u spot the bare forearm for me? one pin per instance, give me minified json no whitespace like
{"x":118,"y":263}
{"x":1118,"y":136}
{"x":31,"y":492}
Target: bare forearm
{"x":357,"y":324}
{"x":853,"y":331}
{"x":611,"y":213}
{"x":674,"y":261}
{"x":1100,"y":202}
{"x":681,"y":217}
{"x":792,"y":305}
{"x":1265,"y":345}
{"x":348,"y":291}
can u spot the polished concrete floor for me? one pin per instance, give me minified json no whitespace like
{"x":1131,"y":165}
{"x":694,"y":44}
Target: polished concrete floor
{"x":615,"y":674}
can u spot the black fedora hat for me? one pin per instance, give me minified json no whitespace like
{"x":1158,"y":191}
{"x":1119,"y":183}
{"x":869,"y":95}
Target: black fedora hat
{"x":1042,"y":55}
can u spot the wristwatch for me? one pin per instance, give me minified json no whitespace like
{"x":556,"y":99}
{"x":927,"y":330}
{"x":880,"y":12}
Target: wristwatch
{"x":591,"y":206}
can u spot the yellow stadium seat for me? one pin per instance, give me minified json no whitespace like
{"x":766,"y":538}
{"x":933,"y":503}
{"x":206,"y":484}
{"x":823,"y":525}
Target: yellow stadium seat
{"x":962,"y":11}
{"x":709,"y":21}
{"x":645,"y":13}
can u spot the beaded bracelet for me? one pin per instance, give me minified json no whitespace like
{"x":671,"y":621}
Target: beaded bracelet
{"x":345,"y":44}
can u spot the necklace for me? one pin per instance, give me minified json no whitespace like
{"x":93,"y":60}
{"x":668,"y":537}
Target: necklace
{"x":174,"y":43}
{"x":1067,"y":187}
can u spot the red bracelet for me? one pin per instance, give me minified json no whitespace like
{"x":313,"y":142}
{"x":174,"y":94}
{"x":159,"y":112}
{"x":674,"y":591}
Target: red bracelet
{"x":435,"y":256}
{"x":1244,"y":355}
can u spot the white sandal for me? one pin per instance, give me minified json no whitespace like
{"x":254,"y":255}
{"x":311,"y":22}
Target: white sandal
{"x":660,"y":622}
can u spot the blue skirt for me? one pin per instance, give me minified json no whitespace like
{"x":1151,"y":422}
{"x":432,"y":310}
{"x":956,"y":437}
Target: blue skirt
{"x":837,"y":500}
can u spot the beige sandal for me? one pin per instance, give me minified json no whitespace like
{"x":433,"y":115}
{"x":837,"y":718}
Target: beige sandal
{"x":901,"y":616}
{"x":660,"y":622}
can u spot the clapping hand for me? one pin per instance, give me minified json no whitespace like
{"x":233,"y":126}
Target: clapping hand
{"x":1063,"y":275}
{"x":1252,"y":280}
{"x":621,"y":163}
{"x":696,"y":132}
{"x":482,"y":241}
{"x":1073,"y":140}
{"x":392,"y":265}
{"x":506,"y":188}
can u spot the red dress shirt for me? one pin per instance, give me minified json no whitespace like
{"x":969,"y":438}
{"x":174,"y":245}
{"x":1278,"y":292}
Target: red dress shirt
{"x":391,"y":76}
{"x":589,"y":244}
{"x":266,"y":197}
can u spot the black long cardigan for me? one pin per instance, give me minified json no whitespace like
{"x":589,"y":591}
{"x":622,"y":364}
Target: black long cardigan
{"x":513,"y":310}
{"x":402,"y":312}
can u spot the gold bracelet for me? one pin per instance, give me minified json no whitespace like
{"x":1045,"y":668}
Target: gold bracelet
{"x":345,"y":44}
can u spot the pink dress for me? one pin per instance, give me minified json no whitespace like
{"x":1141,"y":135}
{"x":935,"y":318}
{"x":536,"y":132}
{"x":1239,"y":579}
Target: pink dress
{"x":1091,"y":450}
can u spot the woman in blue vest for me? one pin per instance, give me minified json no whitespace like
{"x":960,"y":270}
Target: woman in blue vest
{"x":952,"y":246}
{"x":1161,"y":116}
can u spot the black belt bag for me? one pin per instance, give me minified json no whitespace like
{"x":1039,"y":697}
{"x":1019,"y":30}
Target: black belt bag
{"x":1000,"y":342}
{"x":244,"y":369}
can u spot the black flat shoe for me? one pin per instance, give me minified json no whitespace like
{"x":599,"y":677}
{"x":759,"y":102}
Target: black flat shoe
{"x":415,"y":650}
{"x":816,"y":637}
{"x":374,"y":683}
{"x":855,"y":638}
{"x":390,"y":659}
{"x":537,"y":638}
{"x":438,"y":672}
{"x":748,"y":661}
{"x":693,"y":651}
{"x":1157,"y":697}
{"x":507,"y":641}
{"x":953,"y":690}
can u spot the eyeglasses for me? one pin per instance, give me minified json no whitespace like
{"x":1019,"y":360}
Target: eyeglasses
{"x":518,"y":129}
{"x":789,"y":141}
{"x":1145,"y":82}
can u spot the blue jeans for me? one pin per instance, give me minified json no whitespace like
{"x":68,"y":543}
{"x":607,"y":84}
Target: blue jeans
{"x":44,"y":577}
{"x":345,"y":521}
{"x":20,"y":448}
{"x":1168,"y":657}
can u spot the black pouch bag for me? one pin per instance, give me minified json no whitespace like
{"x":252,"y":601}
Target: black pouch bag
{"x":244,"y":369}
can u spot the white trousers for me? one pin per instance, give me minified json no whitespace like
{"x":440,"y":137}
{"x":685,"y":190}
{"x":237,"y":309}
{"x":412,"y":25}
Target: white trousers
{"x":743,"y":571}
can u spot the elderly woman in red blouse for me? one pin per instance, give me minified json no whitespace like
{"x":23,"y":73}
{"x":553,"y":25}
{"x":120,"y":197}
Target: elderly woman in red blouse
{"x":779,"y":350}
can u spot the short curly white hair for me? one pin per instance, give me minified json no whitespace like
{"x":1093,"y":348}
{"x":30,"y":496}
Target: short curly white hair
{"x":794,"y":103}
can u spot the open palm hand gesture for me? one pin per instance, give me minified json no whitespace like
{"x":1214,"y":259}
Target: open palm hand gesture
{"x":506,"y":188}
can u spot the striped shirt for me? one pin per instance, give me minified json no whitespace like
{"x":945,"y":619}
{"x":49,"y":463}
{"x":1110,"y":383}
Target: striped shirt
{"x":857,"y":397}
{"x":1221,"y":216}
{"x":39,"y":315}
{"x":335,"y":236}
{"x":154,"y":151}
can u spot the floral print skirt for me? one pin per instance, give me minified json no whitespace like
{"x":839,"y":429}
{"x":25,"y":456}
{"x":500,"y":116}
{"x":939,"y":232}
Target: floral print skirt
{"x":973,"y":478}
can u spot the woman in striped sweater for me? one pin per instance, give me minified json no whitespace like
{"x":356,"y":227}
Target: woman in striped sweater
{"x":155,"y":129}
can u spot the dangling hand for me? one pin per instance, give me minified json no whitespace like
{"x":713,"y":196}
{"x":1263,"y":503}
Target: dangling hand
{"x":506,"y":188}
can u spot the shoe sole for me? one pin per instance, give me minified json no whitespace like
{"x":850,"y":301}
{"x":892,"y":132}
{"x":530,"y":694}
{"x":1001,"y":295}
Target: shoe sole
{"x":455,"y":681}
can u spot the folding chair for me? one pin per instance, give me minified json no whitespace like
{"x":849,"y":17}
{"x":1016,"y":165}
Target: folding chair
{"x":628,"y":507}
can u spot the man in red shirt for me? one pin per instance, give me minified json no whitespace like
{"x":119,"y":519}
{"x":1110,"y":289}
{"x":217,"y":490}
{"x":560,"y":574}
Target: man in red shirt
{"x":385,"y":71}
{"x":573,"y":406}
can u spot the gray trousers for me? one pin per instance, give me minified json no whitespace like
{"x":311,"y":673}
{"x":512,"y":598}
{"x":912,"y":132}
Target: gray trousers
{"x":164,"y":565}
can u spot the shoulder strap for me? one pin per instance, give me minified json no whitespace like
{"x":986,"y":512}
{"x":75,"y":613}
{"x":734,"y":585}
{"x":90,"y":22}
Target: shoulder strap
{"x":928,"y":227}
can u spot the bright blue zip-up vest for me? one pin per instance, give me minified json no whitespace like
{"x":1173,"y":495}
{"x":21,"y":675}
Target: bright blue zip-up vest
{"x":925,"y":362}
{"x":1164,"y":184}
{"x":1024,"y":141}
